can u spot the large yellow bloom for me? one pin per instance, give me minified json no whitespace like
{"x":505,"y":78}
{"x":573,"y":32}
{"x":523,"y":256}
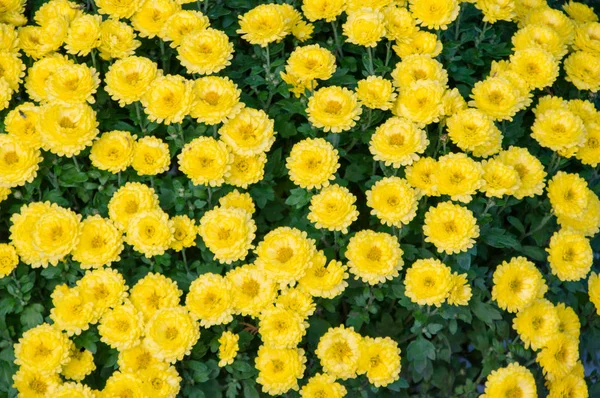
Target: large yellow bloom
{"x":517,"y":283}
{"x":451,"y":228}
{"x":513,"y":379}
{"x":205,"y":51}
{"x":398,"y":142}
{"x":19,"y":162}
{"x":328,"y":10}
{"x":129,"y":200}
{"x":297,"y":301}
{"x":105,"y":288}
{"x":364,"y":27}
{"x":374,"y":257}
{"x":285,"y":254}
{"x":312,"y":163}
{"x":246,"y":170}
{"x":393,"y":201}
{"x":587,"y":37}
{"x":588,"y":222}
{"x":250,"y":132}
{"x":421,"y":102}
{"x":334,"y":109}
{"x":12,"y":69}
{"x":472,"y":130}
{"x":500,"y":179}
{"x":530,"y":169}
{"x":55,"y":234}
{"x":459,"y":176}
{"x":182,"y":23}
{"x":43,"y":349}
{"x":121,"y":327}
{"x":168,"y":99}
{"x":539,"y":36}
{"x":573,"y":385}
{"x":428,"y":282}
{"x":418,"y":67}
{"x":67,"y":129}
{"x":583,"y":70}
{"x":560,"y":356}
{"x":422,"y":175}
{"x":205,"y":161}
{"x":537,"y":324}
{"x":119,"y":8}
{"x":536,"y":66}
{"x":419,"y":42}
{"x":100,"y":243}
{"x":39,"y":41}
{"x":339,"y":351}
{"x":39,"y":73}
{"x":497,"y":97}
{"x":128,"y":79}
{"x":8,"y":259}
{"x":117,"y":40}
{"x":570,"y":255}
{"x":151,"y":156}
{"x":73,"y":84}
{"x":228,"y":233}
{"x":184,"y":234}
{"x":264,"y":24}
{"x":399,"y":22}
{"x":216,"y":99}
{"x":22,"y":227}
{"x":150,"y":232}
{"x":113,"y":151}
{"x":435,"y":14}
{"x":554,"y":19}
{"x":21,"y":123}
{"x":579,"y":12}
{"x":559,"y":130}
{"x":333,"y":208}
{"x":375,"y":92}
{"x":568,"y":194}
{"x":121,"y":384}
{"x":323,"y":385}
{"x":71,"y":313}
{"x":154,"y":292}
{"x":380,"y":360}
{"x":152,"y":15}
{"x":32,"y":383}
{"x":281,"y":327}
{"x":324,"y":280}
{"x":311,"y":62}
{"x":209,"y":300}
{"x":252,"y":290}
{"x":171,"y":333}
{"x":279,"y":369}
{"x":81,"y":363}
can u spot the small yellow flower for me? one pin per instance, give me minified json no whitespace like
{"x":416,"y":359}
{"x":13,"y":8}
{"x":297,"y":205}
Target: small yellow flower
{"x":310,"y":63}
{"x":324,"y":280}
{"x":459,"y":176}
{"x":8,"y":259}
{"x":216,"y":99}
{"x":376,"y":93}
{"x":152,"y":15}
{"x":435,"y":14}
{"x":451,"y":228}
{"x":496,"y":97}
{"x":339,"y":351}
{"x":279,"y":369}
{"x":380,"y":360}
{"x":83,"y":35}
{"x":185,"y":233}
{"x":151,"y":156}
{"x":418,"y":67}
{"x":374,"y":257}
{"x":117,"y":40}
{"x":181,"y":23}
{"x":21,"y":123}
{"x":171,"y":333}
{"x":121,"y":327}
{"x":393,"y":201}
{"x":280,"y":327}
{"x":568,"y":194}
{"x":19,"y":162}
{"x":248,"y":133}
{"x":537,"y":324}
{"x":517,"y":284}
{"x":43,"y":349}
{"x":205,"y":51}
{"x":113,"y":151}
{"x":428,"y":282}
{"x":150,"y":232}
{"x":238,"y":200}
{"x":71,"y":313}
{"x":80,"y":364}
{"x":583,"y":70}
{"x":333,"y":209}
{"x":364,"y":27}
{"x":323,"y":385}
{"x":32,"y":383}
{"x":228,"y":233}
{"x":128,"y":79}
{"x":205,"y":161}
{"x":252,"y":290}
{"x":421,"y":102}
{"x":100,"y":243}
{"x":209,"y":300}
{"x":419,"y":42}
{"x":570,"y":255}
{"x":422,"y":175}
{"x":514,"y":378}
{"x":154,"y":292}
{"x":246,"y":170}
{"x":228,"y":348}
{"x":264,"y":24}
{"x":334,"y":109}
{"x":328,"y":10}
{"x":460,"y":293}
{"x":168,"y":99}
{"x":129,"y":200}
{"x":500,"y":179}
{"x":399,"y":22}
{"x":119,"y":8}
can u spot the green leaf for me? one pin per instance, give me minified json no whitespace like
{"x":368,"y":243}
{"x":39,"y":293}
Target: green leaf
{"x":486,"y":312}
{"x":420,"y":349}
{"x":32,"y":316}
{"x":299,"y":198}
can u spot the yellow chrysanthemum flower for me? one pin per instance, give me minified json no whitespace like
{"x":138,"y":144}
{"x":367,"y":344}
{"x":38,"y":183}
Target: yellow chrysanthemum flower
{"x":310,"y":63}
{"x":181,"y":23}
{"x":57,"y":9}
{"x":398,"y":142}
{"x":451,"y":228}
{"x":228,"y":233}
{"x":323,"y":385}
{"x":22,"y":226}
{"x":80,"y":364}
{"x":40,"y":41}
{"x":151,"y":156}
{"x":399,"y":22}
{"x":339,"y":351}
{"x":583,"y":70}
{"x":228,"y":348}
{"x":570,"y":385}
{"x":19,"y":162}
{"x":100,"y":243}
{"x":517,"y":284}
{"x":55,"y":234}
{"x":472,"y":130}
{"x":460,"y":292}
{"x":298,"y":301}
{"x":312,"y":163}
{"x":252,"y":290}
{"x":303,"y":30}
{"x":588,"y":222}
{"x":537,"y":324}
{"x":154,"y":292}
{"x":216,"y":99}
{"x":279,"y":369}
{"x":280,"y":327}
{"x":554,"y":19}
{"x":246,"y":170}
{"x":328,"y":10}
{"x":374,"y":257}
{"x":184,"y":234}
{"x":83,"y":35}
{"x":121,"y":384}
{"x":205,"y":161}
{"x":422,"y":175}
{"x":119,"y":8}
{"x":333,"y":209}
{"x":435,"y":14}
{"x":324,"y":280}
{"x":459,"y":176}
{"x":150,"y":17}
{"x":128,"y":79}
{"x":238,"y":200}
{"x":72,"y":84}
{"x":560,"y":356}
{"x":418,"y":67}
{"x":421,"y":102}
{"x":570,"y":255}
{"x":380,"y":360}
{"x":530,"y":169}
{"x":43,"y":349}
{"x":499,"y":179}
{"x":393,"y":201}
{"x":113,"y":151}
{"x":39,"y":73}
{"x":9,"y":38}
{"x":539,"y":36}
{"x":428,"y":282}
{"x":375,"y":92}
{"x":73,"y":390}
{"x":248,"y":133}
{"x":568,"y":194}
{"x":117,"y":40}
{"x":497,"y":97}
{"x":21,"y":123}
{"x":71,"y":313}
{"x":333,"y":109}
{"x":568,"y":321}
{"x":209,"y":300}
{"x":364,"y":27}
{"x":205,"y":51}
{"x":161,"y":381}
{"x":130,"y":199}
{"x":8,"y":259}
{"x":589,"y":153}
{"x":105,"y":288}
{"x":171,"y":333}
{"x":67,"y":129}
{"x":32,"y":383}
{"x":121,"y":327}
{"x":264,"y":24}
{"x":168,"y":99}
{"x":419,"y":42}
{"x":512,"y":379}
{"x":12,"y":69}
{"x":559,"y":130}
{"x":285,"y":254}
{"x":587,"y":39}
{"x":150,"y":232}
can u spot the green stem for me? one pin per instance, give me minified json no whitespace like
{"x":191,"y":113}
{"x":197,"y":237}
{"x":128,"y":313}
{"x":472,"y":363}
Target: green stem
{"x":209,"y":194}
{"x":119,"y":178}
{"x":163,"y":56}
{"x":335,"y":139}
{"x":185,"y":263}
{"x":93,"y":56}
{"x":538,"y":228}
{"x":215,"y":131}
{"x":457,"y":25}
{"x":76,"y":164}
{"x":138,"y":113}
{"x":370,"y":54}
{"x":336,"y":37}
{"x":180,"y":128}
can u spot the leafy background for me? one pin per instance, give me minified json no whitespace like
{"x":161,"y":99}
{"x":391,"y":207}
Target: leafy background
{"x":446,"y":352}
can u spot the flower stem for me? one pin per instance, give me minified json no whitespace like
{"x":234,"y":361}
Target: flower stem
{"x":76,"y":164}
{"x":180,"y":128}
{"x":139,"y":117}
{"x":338,"y":44}
{"x":370,"y":54}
